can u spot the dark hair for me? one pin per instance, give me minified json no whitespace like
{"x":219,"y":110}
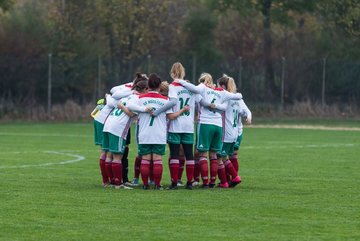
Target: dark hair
{"x":154,"y":81}
{"x":139,"y":77}
{"x":140,"y":85}
{"x":223,"y":81}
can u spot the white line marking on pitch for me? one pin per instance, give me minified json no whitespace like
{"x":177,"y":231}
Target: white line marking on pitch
{"x":41,"y":134}
{"x":298,"y":146}
{"x":77,"y":159}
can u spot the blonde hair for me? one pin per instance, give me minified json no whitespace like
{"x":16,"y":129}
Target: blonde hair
{"x":177,"y":71}
{"x":206,"y":79}
{"x":231,"y":85}
{"x":164,"y":88}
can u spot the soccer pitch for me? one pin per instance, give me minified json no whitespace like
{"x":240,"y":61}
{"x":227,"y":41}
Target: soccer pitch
{"x":298,"y":184}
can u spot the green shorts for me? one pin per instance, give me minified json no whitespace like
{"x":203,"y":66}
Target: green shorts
{"x":238,"y":142}
{"x":180,"y":138}
{"x":145,"y":149}
{"x":106,"y":141}
{"x":116,"y":144}
{"x":98,"y":132}
{"x":227,"y":149}
{"x":209,"y":138}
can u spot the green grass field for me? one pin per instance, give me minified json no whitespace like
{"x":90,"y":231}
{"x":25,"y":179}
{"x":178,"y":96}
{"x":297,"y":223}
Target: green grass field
{"x":298,"y":184}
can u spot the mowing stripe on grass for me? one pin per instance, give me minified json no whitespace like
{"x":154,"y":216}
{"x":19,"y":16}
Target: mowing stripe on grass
{"x":42,"y":134}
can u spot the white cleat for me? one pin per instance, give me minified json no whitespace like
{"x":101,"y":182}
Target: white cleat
{"x":195,"y":184}
{"x":180,"y":184}
{"x":122,"y":186}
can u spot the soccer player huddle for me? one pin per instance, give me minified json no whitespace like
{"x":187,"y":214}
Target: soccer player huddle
{"x":171,"y":114}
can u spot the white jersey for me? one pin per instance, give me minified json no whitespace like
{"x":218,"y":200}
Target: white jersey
{"x":244,"y":111}
{"x":231,"y":129}
{"x":217,"y":96}
{"x":118,"y":123}
{"x":123,"y":87}
{"x":152,"y":129}
{"x":185,"y":122}
{"x":104,"y":113}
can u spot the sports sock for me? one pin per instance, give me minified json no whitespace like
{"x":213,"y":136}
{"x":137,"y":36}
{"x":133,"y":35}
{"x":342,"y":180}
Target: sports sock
{"x":190,"y":170}
{"x":158,"y":169}
{"x":213,"y":170}
{"x":203,"y":163}
{"x":234,"y":161}
{"x":137,"y":167}
{"x":174,"y":170}
{"x":181,"y":167}
{"x":222,"y":173}
{"x":105,"y":178}
{"x":125,"y":165}
{"x":145,"y":171}
{"x":230,"y":169}
{"x":151,"y":173}
{"x":196,"y":171}
{"x":116,"y":167}
{"x":109,"y":169}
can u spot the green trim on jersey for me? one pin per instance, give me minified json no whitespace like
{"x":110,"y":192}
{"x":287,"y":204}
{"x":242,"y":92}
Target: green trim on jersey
{"x":98,"y":133}
{"x":227,"y":149}
{"x":145,"y":149}
{"x":238,"y":142}
{"x":180,"y":138}
{"x":209,"y":137}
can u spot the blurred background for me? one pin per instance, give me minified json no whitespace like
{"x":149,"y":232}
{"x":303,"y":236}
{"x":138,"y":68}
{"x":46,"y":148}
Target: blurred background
{"x":294,"y":58}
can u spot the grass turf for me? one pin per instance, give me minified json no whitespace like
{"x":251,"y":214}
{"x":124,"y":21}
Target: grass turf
{"x":297,"y":185}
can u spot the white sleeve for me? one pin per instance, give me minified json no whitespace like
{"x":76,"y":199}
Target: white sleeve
{"x":231,"y":96}
{"x":198,"y":89}
{"x":121,"y":93}
{"x":115,"y":88}
{"x":110,"y":101}
{"x":134,"y":106}
{"x":172,"y":92}
{"x":198,"y":98}
{"x":245,"y":111}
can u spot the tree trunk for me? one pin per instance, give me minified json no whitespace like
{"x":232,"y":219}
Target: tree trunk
{"x":272,"y":91}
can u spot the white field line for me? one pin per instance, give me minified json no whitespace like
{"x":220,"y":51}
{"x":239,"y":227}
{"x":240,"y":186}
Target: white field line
{"x":306,"y":127}
{"x":77,"y":159}
{"x":42,"y":134}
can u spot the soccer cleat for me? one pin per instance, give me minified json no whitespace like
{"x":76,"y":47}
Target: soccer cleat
{"x":106,"y":184}
{"x":180,"y":183}
{"x":195,"y":184}
{"x":189,"y":186}
{"x":146,"y":187}
{"x":205,"y":186}
{"x":156,"y":187}
{"x":122,"y":186}
{"x":172,"y":187}
{"x":235,"y":181}
{"x":151,"y":182}
{"x":211,"y":185}
{"x":224,"y":185}
{"x":135,"y":182}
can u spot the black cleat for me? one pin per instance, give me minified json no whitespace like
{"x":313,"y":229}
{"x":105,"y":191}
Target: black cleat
{"x":205,"y":186}
{"x":172,"y":187}
{"x":156,"y":187}
{"x":211,"y":185}
{"x":146,"y":187}
{"x":189,"y":186}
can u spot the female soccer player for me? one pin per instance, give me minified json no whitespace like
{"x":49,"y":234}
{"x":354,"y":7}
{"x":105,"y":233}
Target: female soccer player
{"x":230,"y":135}
{"x":209,"y":131}
{"x":152,"y":131}
{"x":116,"y":130}
{"x":181,"y":129}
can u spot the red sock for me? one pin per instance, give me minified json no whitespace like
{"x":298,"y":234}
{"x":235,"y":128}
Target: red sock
{"x":137,"y":167}
{"x":158,"y":169}
{"x":222,"y":173}
{"x":181,"y":167}
{"x":145,"y":171}
{"x":116,"y":167}
{"x":109,"y":171}
{"x":197,"y":171}
{"x":174,"y":170}
{"x":235,"y":163}
{"x":151,"y":173}
{"x":203,"y":163}
{"x":190,"y":170}
{"x":213,"y":170}
{"x":230,"y":169}
{"x":105,"y":178}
